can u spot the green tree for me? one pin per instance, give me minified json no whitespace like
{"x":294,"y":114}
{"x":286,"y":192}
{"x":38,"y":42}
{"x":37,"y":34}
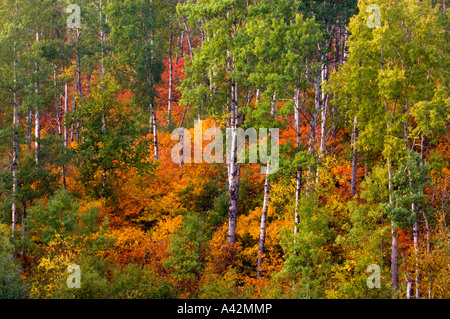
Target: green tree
{"x":391,"y":73}
{"x":186,"y":248}
{"x":64,"y":232}
{"x":307,"y":259}
{"x":214,"y":83}
{"x":111,"y":138}
{"x":11,"y":282}
{"x":137,"y":49}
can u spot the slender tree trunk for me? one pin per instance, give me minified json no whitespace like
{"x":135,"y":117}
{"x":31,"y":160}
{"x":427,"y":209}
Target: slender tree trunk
{"x":181,"y":46}
{"x":409,"y":288}
{"x":102,"y":41}
{"x":23,"y":225}
{"x":416,"y":253}
{"x":79,"y":84}
{"x":188,"y":36}
{"x":151,"y":83}
{"x":74,"y":108}
{"x":298,"y":186}
{"x":155,"y":133}
{"x":312,"y":135}
{"x":170,"y":98}
{"x":182,"y":138}
{"x":37,"y":117}
{"x":394,"y":242}
{"x":416,"y":244}
{"x":77,"y":88}
{"x":324,"y":110}
{"x":37,"y":134}
{"x":29,"y":123}
{"x":58,"y":106}
{"x":427,"y":232}
{"x":232,"y":167}
{"x":422,"y":150}
{"x":59,"y":115}
{"x":15,"y":161}
{"x":262,"y":234}
{"x":355,"y":157}
{"x":65,"y":134}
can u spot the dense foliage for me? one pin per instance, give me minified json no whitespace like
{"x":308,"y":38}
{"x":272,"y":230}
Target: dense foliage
{"x":87,"y":174}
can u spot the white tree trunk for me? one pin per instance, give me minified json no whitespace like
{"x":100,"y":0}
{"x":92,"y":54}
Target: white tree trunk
{"x":170,"y":97}
{"x":298,"y":186}
{"x":262,"y":233}
{"x":233,"y":189}
{"x":394,"y":241}
{"x":15,"y":161}
{"x":155,"y":133}
{"x":37,"y":117}
{"x":355,"y":157}
{"x":312,"y":135}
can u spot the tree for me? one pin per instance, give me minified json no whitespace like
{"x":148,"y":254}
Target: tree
{"x":11,"y":283}
{"x":394,"y":60}
{"x":214,"y":82}
{"x":137,"y":50}
{"x":111,"y":137}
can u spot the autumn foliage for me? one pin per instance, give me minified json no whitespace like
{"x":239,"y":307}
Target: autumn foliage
{"x":88,"y":176}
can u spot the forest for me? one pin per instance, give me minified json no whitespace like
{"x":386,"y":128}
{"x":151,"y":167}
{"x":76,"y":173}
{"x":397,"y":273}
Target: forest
{"x":105,"y":194}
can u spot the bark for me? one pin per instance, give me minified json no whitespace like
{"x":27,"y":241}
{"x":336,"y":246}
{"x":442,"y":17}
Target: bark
{"x":79,"y":84}
{"x":409,"y":288}
{"x":170,"y":98}
{"x":23,"y":226}
{"x":233,"y":190}
{"x":355,"y":157}
{"x":416,"y":245}
{"x":66,"y":141}
{"x":15,"y":161}
{"x":188,"y":36}
{"x":416,"y":254}
{"x":58,"y":107}
{"x":422,"y":150}
{"x":37,"y":135}
{"x":28,"y":128}
{"x":394,"y":242}
{"x":298,"y":186}
{"x":102,"y":40}
{"x":37,"y":117}
{"x":427,"y":232}
{"x":312,"y":135}
{"x":155,"y":132}
{"x":324,"y":109}
{"x":181,"y":46}
{"x":77,"y":89}
{"x":182,"y":139}
{"x":150,"y":80}
{"x":262,"y":234}
{"x":59,"y":115}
